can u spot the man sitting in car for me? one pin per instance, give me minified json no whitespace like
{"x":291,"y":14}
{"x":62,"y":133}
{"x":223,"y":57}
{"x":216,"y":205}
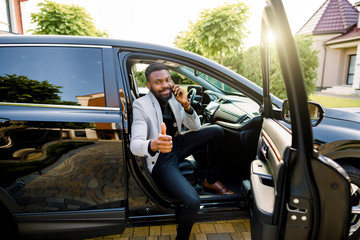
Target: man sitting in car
{"x":156,"y":134}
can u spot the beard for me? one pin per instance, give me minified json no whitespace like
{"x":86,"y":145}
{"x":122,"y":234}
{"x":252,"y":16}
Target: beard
{"x":160,"y":96}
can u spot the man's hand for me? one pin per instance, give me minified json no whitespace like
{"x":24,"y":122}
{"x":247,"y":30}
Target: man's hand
{"x":181,"y":97}
{"x":163,"y":143}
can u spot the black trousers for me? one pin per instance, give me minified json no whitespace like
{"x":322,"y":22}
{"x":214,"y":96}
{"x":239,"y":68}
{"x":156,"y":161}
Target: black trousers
{"x":167,"y":174}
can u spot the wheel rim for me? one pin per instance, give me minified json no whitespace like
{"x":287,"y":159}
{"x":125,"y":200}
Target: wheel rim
{"x":355,"y":211}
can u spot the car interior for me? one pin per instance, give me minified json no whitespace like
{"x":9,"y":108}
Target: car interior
{"x":215,"y":103}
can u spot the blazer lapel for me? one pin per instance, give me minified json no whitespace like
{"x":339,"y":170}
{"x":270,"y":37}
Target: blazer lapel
{"x":157,"y":109}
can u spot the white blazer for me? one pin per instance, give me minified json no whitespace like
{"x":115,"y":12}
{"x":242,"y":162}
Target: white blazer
{"x":146,"y":125}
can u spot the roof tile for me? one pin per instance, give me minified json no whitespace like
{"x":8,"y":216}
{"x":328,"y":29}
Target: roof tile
{"x":334,"y":16}
{"x":353,"y":35}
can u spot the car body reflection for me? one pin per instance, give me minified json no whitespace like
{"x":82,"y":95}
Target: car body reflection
{"x":60,"y":169}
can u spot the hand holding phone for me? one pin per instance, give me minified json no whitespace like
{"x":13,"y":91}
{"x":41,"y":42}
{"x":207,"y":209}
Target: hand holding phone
{"x":180,"y":96}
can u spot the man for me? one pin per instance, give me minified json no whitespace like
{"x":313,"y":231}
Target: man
{"x":156,"y":134}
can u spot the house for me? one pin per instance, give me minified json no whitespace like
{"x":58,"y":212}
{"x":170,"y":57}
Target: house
{"x":10,"y":17}
{"x":335,"y":29}
{"x":104,"y":131}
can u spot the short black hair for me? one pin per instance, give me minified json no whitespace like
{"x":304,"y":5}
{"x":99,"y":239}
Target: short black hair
{"x":154,"y":67}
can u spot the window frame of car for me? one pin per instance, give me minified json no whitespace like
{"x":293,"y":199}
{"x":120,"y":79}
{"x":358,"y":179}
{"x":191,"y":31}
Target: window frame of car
{"x":202,"y":65}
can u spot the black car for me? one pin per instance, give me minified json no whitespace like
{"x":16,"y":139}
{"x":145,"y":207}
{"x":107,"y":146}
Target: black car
{"x":66,"y":170}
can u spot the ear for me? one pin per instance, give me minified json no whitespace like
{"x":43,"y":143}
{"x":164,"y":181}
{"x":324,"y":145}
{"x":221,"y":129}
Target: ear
{"x":148,"y":85}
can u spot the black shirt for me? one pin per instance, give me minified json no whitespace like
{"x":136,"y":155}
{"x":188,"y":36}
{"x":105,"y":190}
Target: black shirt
{"x":169,"y":119}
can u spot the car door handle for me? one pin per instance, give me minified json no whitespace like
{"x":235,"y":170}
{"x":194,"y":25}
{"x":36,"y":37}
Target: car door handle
{"x":264,"y":147}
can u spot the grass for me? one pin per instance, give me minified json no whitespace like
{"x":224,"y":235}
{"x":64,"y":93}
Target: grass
{"x":334,"y":102}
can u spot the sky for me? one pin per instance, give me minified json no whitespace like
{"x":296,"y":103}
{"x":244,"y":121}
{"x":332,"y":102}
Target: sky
{"x":160,"y":21}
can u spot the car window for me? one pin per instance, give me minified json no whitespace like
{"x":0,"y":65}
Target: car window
{"x":139,"y":73}
{"x":277,"y":84}
{"x":216,"y":83}
{"x":51,"y":75}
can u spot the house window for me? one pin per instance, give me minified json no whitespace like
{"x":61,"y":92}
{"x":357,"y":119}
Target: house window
{"x":4,"y":16}
{"x":351,"y":71}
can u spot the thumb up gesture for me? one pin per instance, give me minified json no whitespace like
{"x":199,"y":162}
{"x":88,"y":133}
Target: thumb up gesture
{"x":163,"y":128}
{"x":163,"y":143}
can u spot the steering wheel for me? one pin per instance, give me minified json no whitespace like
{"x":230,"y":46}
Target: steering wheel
{"x":191,"y":95}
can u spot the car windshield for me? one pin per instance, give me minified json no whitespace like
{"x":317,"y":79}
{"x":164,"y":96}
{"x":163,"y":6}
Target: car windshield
{"x":214,"y":82}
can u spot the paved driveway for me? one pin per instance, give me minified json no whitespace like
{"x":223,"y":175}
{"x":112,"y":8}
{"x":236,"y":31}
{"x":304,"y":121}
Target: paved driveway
{"x":219,"y":230}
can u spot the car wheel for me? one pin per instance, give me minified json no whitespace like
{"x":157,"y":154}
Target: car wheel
{"x":354,"y":175}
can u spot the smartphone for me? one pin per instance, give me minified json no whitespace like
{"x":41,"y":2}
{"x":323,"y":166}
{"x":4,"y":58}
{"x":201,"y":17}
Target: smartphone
{"x":172,"y":86}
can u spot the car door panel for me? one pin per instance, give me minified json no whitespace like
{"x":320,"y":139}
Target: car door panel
{"x":63,"y":160}
{"x":335,"y":187}
{"x":264,"y":198}
{"x":84,"y":172}
{"x":266,"y":187}
{"x":275,"y":139}
{"x":305,"y":184}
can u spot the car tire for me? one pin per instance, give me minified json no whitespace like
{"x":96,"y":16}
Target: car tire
{"x":354,"y":175}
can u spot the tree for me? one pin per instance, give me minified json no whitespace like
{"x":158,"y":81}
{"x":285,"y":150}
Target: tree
{"x":21,"y":89}
{"x":248,"y":64}
{"x":309,"y":61}
{"x":218,"y":33}
{"x":187,"y":40}
{"x":176,"y":77}
{"x":63,"y":19}
{"x":140,"y":78}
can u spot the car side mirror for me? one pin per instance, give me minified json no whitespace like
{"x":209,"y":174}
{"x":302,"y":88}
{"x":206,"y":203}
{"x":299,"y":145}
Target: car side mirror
{"x":316,"y":112}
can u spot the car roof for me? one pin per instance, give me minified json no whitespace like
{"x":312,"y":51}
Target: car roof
{"x":65,"y":39}
{"x":133,"y":45}
{"x":86,"y":40}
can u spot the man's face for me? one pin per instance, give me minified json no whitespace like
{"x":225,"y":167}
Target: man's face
{"x":160,"y":84}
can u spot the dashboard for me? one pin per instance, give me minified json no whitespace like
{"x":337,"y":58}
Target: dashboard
{"x":231,"y":111}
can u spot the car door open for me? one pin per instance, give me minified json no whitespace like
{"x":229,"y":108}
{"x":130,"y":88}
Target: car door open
{"x":297,"y":194}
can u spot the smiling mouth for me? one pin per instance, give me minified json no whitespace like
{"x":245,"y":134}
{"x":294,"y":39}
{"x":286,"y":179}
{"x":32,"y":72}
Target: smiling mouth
{"x":166,"y":91}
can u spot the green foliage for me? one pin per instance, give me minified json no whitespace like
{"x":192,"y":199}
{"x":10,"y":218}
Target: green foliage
{"x":140,"y":78}
{"x":180,"y":79}
{"x":218,"y":33}
{"x":187,"y":40}
{"x":21,"y":89}
{"x":309,"y":61}
{"x":63,"y":19}
{"x":177,"y":78}
{"x":334,"y":102}
{"x":248,"y":64}
{"x":60,"y":125}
